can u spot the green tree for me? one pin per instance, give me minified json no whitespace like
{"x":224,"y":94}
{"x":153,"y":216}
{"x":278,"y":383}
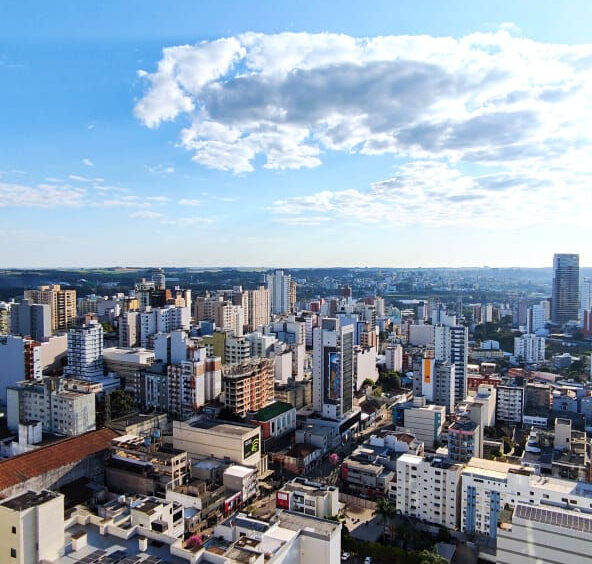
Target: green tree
{"x":121,"y":403}
{"x":429,"y":557}
{"x":386,"y":511}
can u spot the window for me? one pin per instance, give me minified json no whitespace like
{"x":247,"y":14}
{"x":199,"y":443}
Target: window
{"x":13,"y":552}
{"x":14,"y":530}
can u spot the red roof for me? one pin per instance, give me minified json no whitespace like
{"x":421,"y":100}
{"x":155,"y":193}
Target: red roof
{"x":23,"y":467}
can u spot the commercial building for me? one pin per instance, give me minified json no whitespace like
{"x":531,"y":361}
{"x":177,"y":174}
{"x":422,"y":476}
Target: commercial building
{"x":61,"y":302}
{"x":127,"y":362}
{"x":534,"y":535}
{"x":248,"y":386}
{"x":310,"y":498}
{"x":203,"y":438}
{"x":32,"y":526}
{"x":435,"y":380}
{"x":85,"y":351}
{"x":565,"y":300}
{"x":276,"y":420}
{"x":429,"y":489}
{"x":333,"y":369}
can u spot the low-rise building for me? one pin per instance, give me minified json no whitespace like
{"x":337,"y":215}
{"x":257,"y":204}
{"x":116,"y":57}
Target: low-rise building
{"x":310,"y":498}
{"x":424,"y":421}
{"x":276,"y":420}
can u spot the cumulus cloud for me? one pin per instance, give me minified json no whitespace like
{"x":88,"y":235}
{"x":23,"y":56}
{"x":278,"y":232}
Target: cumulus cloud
{"x":486,"y":98}
{"x":87,"y":162}
{"x":436,"y":193}
{"x":189,"y":202}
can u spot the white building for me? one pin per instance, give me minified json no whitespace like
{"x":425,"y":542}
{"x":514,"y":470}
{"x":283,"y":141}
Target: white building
{"x":60,"y":411}
{"x":451,"y":344}
{"x":394,"y":357}
{"x":278,"y":285}
{"x":85,"y":351}
{"x":32,"y":527}
{"x":162,"y":320}
{"x":488,"y":487}
{"x":429,"y":490}
{"x":535,"y":318}
{"x":364,"y":365}
{"x":423,"y":421}
{"x":310,"y":498}
{"x":333,"y":369}
{"x":529,"y":348}
{"x":236,"y":350}
{"x":435,"y":380}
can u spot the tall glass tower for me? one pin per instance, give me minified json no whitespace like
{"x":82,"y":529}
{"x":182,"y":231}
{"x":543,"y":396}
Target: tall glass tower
{"x":565,"y":302}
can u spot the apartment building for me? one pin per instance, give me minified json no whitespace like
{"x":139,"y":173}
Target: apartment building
{"x":429,"y":489}
{"x":248,"y":386}
{"x":62,"y":304}
{"x":85,"y":351}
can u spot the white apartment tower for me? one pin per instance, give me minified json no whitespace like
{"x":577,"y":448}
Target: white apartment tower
{"x":452,"y":345}
{"x":280,"y":288}
{"x":529,"y":348}
{"x":333,"y":368}
{"x":85,"y":351}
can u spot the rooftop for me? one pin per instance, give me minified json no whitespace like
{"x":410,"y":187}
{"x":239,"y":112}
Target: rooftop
{"x":299,"y":522}
{"x":562,"y":518}
{"x":25,"y":466}
{"x":272,"y":410}
{"x":28,"y":500}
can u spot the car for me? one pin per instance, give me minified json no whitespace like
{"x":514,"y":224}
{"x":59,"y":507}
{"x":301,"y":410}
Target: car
{"x":368,"y":560}
{"x":345,"y":556}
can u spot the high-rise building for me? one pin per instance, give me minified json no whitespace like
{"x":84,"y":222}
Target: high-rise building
{"x":535,"y":318}
{"x":158,"y":278}
{"x":61,"y":302}
{"x":5,"y":318}
{"x":282,"y":295}
{"x":85,"y":351}
{"x":565,"y":301}
{"x":31,"y":320}
{"x":333,"y":347}
{"x":258,"y":308}
{"x":248,"y":386}
{"x":435,"y":380}
{"x":452,"y":345}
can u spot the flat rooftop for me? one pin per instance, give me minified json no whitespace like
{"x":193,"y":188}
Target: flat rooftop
{"x":299,"y":522}
{"x":28,"y":500}
{"x":224,"y":428}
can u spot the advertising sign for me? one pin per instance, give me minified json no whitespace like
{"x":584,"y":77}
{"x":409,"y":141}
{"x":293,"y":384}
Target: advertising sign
{"x":334,"y":377}
{"x":250,"y":446}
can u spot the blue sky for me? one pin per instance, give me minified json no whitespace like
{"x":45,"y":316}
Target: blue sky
{"x":292,"y":134}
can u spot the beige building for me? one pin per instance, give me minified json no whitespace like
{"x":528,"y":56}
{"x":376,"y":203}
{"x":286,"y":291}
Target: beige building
{"x":248,"y":386}
{"x":203,"y":438}
{"x":32,"y":528}
{"x":62,"y":304}
{"x":258,"y":308}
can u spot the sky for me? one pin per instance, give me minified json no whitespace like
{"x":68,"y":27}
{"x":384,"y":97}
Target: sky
{"x":294,"y":134}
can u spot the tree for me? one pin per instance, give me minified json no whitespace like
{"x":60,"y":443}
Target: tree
{"x":429,"y":557}
{"x":121,"y":403}
{"x":386,"y":511}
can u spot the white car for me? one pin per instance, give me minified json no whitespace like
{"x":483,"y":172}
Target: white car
{"x":368,"y":560}
{"x":345,"y":556}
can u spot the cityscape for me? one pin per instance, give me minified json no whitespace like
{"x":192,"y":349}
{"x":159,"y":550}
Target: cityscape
{"x":284,"y":283}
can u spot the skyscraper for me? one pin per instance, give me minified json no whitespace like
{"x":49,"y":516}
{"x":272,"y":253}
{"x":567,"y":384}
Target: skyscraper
{"x":333,"y":369}
{"x":29,"y":319}
{"x":62,"y":303}
{"x":565,"y":302}
{"x":281,"y":292}
{"x":452,"y":345}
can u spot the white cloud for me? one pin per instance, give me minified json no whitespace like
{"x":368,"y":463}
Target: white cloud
{"x":40,"y":196}
{"x":160,"y":169}
{"x":186,"y":202}
{"x":489,"y":98}
{"x":435,"y":193}
{"x":160,"y":199}
{"x":145,"y":214}
{"x":87,"y":162}
{"x":183,"y":221}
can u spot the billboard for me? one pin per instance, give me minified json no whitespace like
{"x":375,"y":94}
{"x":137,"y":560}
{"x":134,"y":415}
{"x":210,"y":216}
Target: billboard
{"x":427,"y":370}
{"x":251,"y":446}
{"x":334,"y":377}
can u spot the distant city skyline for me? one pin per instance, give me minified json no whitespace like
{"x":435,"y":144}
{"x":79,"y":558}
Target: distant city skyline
{"x":383,"y":134}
